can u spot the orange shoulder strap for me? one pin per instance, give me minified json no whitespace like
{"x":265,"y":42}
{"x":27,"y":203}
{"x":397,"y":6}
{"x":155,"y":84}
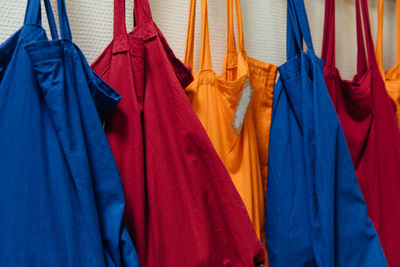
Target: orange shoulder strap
{"x":205,"y":52}
{"x":230,"y":45}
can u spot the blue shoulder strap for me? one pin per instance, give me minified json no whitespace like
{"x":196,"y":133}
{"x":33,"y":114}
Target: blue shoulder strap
{"x":63,"y":19}
{"x":298,"y":28}
{"x":33,"y":15}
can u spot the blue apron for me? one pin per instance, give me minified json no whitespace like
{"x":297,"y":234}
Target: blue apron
{"x":61,"y":198}
{"x":316,"y":215}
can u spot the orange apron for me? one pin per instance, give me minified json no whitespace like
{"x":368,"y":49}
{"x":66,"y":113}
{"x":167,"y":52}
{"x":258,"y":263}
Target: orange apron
{"x":392,"y":75}
{"x":215,"y":97}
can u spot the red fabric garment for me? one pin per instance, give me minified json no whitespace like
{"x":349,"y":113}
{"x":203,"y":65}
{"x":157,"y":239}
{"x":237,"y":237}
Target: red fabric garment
{"x":182,"y":208}
{"x":367,"y":114}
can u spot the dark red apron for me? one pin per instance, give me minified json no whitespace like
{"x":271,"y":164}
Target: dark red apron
{"x":368,"y":118}
{"x":182,"y":208}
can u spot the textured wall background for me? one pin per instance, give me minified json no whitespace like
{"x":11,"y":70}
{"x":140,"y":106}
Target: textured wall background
{"x":264,"y":24}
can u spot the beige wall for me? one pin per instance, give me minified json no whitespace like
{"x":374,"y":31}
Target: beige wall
{"x":264,"y":27}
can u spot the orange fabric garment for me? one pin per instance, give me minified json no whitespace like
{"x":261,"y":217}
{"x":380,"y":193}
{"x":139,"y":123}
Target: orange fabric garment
{"x":392,"y":75}
{"x":214,"y":98}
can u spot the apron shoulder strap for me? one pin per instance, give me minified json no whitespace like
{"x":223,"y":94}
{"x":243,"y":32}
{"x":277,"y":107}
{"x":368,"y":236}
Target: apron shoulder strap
{"x":230,"y":40}
{"x":141,"y":15}
{"x":362,"y":65}
{"x":366,"y":61}
{"x":298,"y":29}
{"x":63,"y":20}
{"x":379,"y":37}
{"x":119,"y":18}
{"x":205,"y":52}
{"x":142,"y":12}
{"x":33,"y":15}
{"x":362,"y":19}
{"x":189,"y":51}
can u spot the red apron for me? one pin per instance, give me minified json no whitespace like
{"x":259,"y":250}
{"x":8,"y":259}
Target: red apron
{"x":368,"y":118}
{"x":182,"y":208}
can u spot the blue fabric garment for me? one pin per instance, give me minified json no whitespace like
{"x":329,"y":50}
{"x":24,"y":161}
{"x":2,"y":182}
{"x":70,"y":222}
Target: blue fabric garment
{"x":61,"y":198}
{"x":316,"y":215}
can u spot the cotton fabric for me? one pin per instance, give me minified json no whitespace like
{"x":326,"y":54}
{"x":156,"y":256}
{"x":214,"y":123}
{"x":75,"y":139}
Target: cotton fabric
{"x":315,"y":214}
{"x":61,"y":198}
{"x":182,"y":208}
{"x":367,"y":114}
{"x":215,"y":97}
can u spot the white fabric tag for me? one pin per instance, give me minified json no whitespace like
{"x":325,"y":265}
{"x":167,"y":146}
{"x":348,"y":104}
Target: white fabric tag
{"x":242,"y":106}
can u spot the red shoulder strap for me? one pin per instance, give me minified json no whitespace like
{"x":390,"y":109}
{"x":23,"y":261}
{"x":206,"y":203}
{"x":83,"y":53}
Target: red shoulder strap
{"x":328,"y":45}
{"x":142,"y":15}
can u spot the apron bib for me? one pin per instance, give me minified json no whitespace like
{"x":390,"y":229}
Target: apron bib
{"x":216,"y":99}
{"x":316,"y":215}
{"x":181,"y":206}
{"x":369,"y":122}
